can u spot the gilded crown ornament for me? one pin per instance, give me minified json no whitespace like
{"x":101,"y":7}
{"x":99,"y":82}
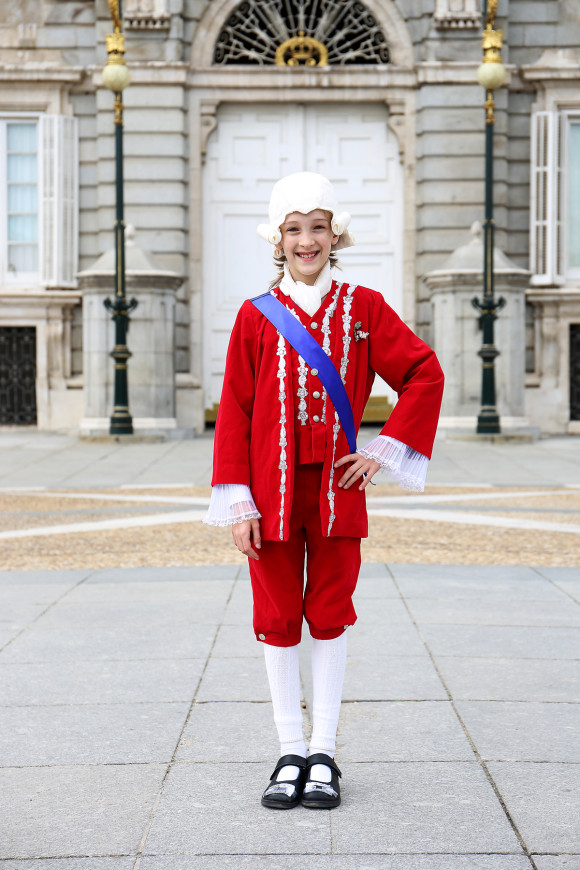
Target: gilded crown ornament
{"x":301,"y":50}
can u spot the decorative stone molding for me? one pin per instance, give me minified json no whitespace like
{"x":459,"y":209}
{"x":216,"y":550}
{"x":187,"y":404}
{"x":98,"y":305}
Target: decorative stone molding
{"x":457,"y":14}
{"x":208,"y":123}
{"x":397,"y":123}
{"x":146,"y":15}
{"x":554,"y":65}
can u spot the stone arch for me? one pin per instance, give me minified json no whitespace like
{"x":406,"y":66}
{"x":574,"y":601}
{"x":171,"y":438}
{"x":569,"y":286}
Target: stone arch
{"x":385,"y":12}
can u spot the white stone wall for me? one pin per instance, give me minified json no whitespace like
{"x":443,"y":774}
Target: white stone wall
{"x":444,"y":162}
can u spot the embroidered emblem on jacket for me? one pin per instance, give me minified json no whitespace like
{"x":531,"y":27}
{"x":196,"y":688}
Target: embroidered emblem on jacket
{"x":358,"y":333}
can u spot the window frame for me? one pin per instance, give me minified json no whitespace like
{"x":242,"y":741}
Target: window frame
{"x":569,"y":116}
{"x":8,"y":278}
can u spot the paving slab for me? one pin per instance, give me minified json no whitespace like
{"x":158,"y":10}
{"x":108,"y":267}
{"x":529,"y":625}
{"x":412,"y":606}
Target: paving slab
{"x":428,"y":574}
{"x":557,"y":862}
{"x":78,"y":810}
{"x":384,"y":612}
{"x":485,"y":679}
{"x":468,"y":588}
{"x":392,"y":678}
{"x":129,"y":614}
{"x":502,"y":641}
{"x":509,"y":731}
{"x":397,"y":638}
{"x":70,"y":577}
{"x":194,"y":593}
{"x":339,"y":862}
{"x":218,"y":731}
{"x":16,"y":617}
{"x":120,"y":863}
{"x":440,"y":807}
{"x":544,"y":802}
{"x":240,"y":605}
{"x":90,"y":734}
{"x":235,"y":679}
{"x":98,"y":644}
{"x":99,"y":682}
{"x":237,"y":640}
{"x":401,"y":731}
{"x":215,"y":808}
{"x":155,"y":574}
{"x":495,"y":612}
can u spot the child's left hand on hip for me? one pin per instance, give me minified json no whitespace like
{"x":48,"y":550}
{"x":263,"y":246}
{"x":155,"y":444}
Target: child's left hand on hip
{"x":361,"y":467}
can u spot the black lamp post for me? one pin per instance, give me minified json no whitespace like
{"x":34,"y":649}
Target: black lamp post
{"x":491,"y":75}
{"x":116,"y":78}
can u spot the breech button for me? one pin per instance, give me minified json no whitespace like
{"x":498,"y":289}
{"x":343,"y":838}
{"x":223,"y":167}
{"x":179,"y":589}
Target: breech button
{"x":262,"y":637}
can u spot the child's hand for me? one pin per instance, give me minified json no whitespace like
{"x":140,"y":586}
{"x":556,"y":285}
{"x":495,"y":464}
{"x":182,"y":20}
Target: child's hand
{"x":244,"y":533}
{"x":359,"y":468}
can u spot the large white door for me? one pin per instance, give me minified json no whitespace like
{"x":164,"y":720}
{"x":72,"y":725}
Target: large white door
{"x":255,"y":145}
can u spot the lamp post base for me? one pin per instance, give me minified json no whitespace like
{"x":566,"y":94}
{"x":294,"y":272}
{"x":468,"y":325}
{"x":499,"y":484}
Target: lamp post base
{"x":121,"y":423}
{"x":488,"y":422}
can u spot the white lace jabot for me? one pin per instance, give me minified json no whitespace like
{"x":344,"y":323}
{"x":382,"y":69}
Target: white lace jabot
{"x":307,"y":296}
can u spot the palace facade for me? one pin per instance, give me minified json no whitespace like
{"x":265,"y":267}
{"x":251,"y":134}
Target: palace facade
{"x":381,"y":96}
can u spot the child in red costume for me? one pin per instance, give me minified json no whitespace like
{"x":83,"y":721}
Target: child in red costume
{"x":284,"y":477}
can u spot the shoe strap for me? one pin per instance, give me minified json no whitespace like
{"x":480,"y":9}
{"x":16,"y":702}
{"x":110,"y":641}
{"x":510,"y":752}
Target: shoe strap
{"x":322,"y":758}
{"x":286,"y":760}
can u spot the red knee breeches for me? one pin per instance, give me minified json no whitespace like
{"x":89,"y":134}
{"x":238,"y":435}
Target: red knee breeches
{"x":281,"y":600}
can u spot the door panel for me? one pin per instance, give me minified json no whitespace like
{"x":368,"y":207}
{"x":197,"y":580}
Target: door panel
{"x":250,"y":149}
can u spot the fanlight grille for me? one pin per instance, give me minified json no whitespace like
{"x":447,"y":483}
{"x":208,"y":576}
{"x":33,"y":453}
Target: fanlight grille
{"x":348,"y":32}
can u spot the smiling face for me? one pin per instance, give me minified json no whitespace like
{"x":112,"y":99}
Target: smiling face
{"x":307,"y":240}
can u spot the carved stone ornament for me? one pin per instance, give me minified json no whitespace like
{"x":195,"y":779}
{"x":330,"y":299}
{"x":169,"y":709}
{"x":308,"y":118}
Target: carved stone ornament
{"x":301,"y":33}
{"x":147,"y":15}
{"x":457,"y":14}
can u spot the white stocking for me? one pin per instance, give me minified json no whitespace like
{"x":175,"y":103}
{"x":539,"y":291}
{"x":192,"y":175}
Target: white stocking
{"x":328,"y":666}
{"x":282,"y":665}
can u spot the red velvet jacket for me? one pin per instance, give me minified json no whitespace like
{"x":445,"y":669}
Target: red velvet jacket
{"x":254,"y":437}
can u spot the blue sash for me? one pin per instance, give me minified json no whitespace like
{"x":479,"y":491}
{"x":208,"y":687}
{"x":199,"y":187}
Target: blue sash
{"x":309,"y":349}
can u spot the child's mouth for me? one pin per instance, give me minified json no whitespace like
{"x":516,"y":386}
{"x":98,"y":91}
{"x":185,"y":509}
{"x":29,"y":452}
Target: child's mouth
{"x":308,"y":257}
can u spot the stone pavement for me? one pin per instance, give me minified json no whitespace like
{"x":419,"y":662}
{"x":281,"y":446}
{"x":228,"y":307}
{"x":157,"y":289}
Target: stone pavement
{"x":136,"y":730}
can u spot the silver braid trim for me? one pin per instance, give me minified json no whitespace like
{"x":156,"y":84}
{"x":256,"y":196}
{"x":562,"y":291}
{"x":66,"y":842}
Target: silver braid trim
{"x":283,"y":464}
{"x":301,"y":392}
{"x":346,"y":319}
{"x":325,"y":329}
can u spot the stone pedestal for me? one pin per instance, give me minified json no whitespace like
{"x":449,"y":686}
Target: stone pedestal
{"x":457,"y":337}
{"x":151,"y":341}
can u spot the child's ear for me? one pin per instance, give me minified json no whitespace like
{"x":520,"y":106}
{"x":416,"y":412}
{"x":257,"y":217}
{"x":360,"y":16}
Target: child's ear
{"x":335,"y":239}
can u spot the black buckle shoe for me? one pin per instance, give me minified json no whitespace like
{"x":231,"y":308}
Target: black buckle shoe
{"x":321,"y":795}
{"x":285,"y":794}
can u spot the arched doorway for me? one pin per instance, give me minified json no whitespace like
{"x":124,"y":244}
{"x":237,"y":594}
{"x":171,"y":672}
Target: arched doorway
{"x":256,"y":119}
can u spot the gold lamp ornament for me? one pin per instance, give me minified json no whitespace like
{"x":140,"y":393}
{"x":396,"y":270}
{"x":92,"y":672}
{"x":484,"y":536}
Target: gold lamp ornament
{"x":491,"y":73}
{"x":116,"y":76}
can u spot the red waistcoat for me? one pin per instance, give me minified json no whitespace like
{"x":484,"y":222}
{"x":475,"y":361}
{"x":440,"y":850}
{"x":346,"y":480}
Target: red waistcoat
{"x":254,"y":437}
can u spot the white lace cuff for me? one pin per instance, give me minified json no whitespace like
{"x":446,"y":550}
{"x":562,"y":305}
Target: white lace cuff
{"x":408,"y":467}
{"x":230,"y":503}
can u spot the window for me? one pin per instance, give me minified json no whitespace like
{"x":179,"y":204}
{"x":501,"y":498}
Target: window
{"x":19,"y":221}
{"x":555,"y":197}
{"x":38,"y":200}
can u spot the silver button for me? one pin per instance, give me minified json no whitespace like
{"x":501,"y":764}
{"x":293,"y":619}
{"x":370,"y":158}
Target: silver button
{"x":316,"y":418}
{"x":315,"y":394}
{"x":262,"y":637}
{"x":314,"y":372}
{"x":314,"y":325}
